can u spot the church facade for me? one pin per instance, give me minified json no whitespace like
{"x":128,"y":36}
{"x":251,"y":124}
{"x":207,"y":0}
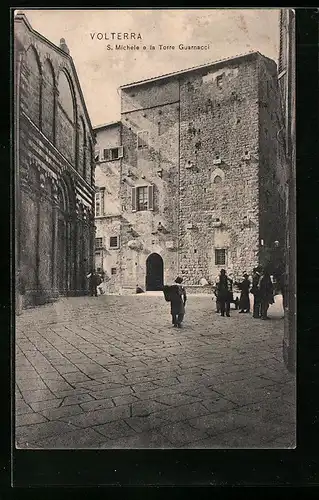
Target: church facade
{"x":189,"y":180}
{"x":54,"y":170}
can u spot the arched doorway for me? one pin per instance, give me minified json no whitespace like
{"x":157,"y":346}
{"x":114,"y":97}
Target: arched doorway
{"x":154,"y":272}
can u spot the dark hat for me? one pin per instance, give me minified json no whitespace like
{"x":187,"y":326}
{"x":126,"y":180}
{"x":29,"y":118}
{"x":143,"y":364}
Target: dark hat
{"x":179,"y":280}
{"x":245,"y":275}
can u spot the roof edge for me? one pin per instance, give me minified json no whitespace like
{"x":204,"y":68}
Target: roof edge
{"x":106,"y":125}
{"x":252,"y":53}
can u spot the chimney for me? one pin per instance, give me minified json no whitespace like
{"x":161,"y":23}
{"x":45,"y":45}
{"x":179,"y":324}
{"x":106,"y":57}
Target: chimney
{"x":63,"y":46}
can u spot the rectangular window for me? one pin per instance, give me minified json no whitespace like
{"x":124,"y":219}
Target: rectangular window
{"x":114,"y":242}
{"x":220,"y":257}
{"x":219,"y":80}
{"x":143,"y":198}
{"x":99,"y":203}
{"x":142,"y":139}
{"x":98,"y":242}
{"x":113,"y":270}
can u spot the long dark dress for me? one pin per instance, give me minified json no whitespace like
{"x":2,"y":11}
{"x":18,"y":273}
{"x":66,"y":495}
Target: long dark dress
{"x":266,"y":294}
{"x":244,"y":303}
{"x":178,"y":300}
{"x":223,"y":295}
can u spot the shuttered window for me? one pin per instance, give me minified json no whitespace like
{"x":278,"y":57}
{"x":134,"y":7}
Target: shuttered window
{"x":142,"y":139}
{"x":142,"y":198}
{"x":98,"y":242}
{"x":99,"y":203}
{"x":151,"y":197}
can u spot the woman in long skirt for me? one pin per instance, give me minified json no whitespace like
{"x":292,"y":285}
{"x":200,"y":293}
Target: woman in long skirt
{"x":244,"y":302}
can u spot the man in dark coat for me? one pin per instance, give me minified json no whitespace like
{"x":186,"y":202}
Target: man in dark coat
{"x":94,"y":281}
{"x":266,"y":293}
{"x":256,"y":292}
{"x":224,"y":293}
{"x":244,"y":303}
{"x":178,"y":300}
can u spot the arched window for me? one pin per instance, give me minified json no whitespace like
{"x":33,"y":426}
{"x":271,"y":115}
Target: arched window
{"x":66,"y":119}
{"x":48,"y":101}
{"x":66,"y":96}
{"x":82,"y":149}
{"x":218,"y":179}
{"x":33,"y":93}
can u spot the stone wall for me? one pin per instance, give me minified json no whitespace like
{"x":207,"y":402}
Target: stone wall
{"x":156,"y":165}
{"x":55,"y":225}
{"x":272,"y":165}
{"x":219,"y":124}
{"x":210,"y":157}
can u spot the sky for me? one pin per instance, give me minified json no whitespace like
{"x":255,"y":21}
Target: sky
{"x":227,"y":32}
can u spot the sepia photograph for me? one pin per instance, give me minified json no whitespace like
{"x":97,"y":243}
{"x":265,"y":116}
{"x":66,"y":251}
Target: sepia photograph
{"x":155,"y":228}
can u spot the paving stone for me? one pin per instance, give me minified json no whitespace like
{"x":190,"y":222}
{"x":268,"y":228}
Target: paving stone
{"x":115,"y":430}
{"x":21,"y":408}
{"x":58,"y":386}
{"x":124,"y":400}
{"x":63,"y":369}
{"x":146,"y":407}
{"x":112,"y":392}
{"x":97,"y":417}
{"x":63,"y":411}
{"x":76,"y":377}
{"x":29,"y":418}
{"x":97,"y":405}
{"x":30,"y":433}
{"x":183,"y":412}
{"x":43,"y":405}
{"x":77,"y":398}
{"x":33,"y":396}
{"x":221,"y":364}
{"x":71,"y":392}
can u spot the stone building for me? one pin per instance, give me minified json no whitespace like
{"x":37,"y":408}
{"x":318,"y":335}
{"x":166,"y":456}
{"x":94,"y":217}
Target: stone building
{"x":287,"y":174}
{"x":196,"y":177}
{"x":108,"y":212}
{"x":54,"y":170}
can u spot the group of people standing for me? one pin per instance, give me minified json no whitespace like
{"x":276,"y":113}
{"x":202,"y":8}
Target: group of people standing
{"x":261,"y":288}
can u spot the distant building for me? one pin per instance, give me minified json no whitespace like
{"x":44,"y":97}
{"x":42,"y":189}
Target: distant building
{"x":54,"y":169}
{"x":189,"y":175}
{"x":287,"y":181}
{"x":108,"y":210}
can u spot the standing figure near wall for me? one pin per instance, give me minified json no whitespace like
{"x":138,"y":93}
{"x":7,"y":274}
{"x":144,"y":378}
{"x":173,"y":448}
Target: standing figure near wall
{"x":244,"y":303}
{"x":178,"y":300}
{"x":256,"y":292}
{"x":224,"y":293}
{"x":266,"y":293}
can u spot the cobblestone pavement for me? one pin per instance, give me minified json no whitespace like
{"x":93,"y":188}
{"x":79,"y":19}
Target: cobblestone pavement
{"x":112,"y":372}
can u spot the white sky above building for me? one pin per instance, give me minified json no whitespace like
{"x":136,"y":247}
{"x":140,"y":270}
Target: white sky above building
{"x":228,"y":32}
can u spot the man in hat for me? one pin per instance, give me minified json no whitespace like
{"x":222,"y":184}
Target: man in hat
{"x":224,"y":293}
{"x":178,"y":300}
{"x":257,"y":272}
